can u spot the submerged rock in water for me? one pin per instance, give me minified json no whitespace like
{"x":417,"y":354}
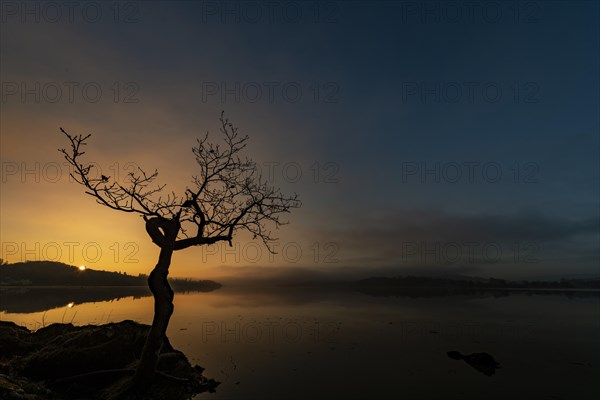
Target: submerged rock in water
{"x":482,"y":362}
{"x":94,"y":362}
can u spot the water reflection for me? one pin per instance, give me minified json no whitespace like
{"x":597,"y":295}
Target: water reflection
{"x":326,"y":344}
{"x":36,"y":299}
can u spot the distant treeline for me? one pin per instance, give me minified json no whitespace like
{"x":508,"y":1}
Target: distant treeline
{"x":50,"y":273}
{"x":491,"y":283}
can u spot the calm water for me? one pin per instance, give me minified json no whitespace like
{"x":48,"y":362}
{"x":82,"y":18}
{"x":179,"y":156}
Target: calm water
{"x":299,"y":344}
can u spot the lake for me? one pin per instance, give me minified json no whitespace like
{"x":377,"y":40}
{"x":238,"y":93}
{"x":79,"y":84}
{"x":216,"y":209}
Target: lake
{"x":329,"y":344}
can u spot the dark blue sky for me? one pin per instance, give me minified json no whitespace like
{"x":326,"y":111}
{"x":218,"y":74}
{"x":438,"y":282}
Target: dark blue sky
{"x":387,"y":89}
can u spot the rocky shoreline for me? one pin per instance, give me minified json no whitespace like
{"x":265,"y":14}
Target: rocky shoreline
{"x":63,"y":361}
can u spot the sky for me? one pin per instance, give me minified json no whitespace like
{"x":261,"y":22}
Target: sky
{"x":446,"y":138}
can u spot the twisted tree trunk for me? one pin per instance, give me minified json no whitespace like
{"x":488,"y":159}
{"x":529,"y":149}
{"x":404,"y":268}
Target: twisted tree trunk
{"x":163,"y":299}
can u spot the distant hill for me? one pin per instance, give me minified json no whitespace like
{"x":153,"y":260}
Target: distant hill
{"x":50,"y":273}
{"x":400,"y":284}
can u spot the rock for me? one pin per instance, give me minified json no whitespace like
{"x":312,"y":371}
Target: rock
{"x":66,"y":359}
{"x":482,"y":362}
{"x":21,"y":389}
{"x":14,"y":339}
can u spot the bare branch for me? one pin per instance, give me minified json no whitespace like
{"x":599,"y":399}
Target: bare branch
{"x":228,"y":195}
{"x":136,"y":197}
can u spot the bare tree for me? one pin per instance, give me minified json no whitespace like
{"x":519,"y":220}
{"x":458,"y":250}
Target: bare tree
{"x":228,"y":195}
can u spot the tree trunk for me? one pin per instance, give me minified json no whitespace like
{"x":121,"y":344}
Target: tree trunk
{"x":163,"y":306}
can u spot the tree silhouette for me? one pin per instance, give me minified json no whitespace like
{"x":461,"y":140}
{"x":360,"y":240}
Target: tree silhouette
{"x":228,"y":195}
